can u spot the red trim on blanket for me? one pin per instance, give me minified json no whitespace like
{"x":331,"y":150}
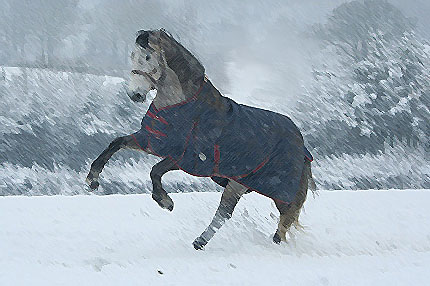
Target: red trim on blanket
{"x":162,"y":120}
{"x":182,"y":102}
{"x":150,"y":148}
{"x":187,"y":141}
{"x":156,"y":117}
{"x":226,"y":177}
{"x":197,"y":175}
{"x":155,"y":132}
{"x":135,"y":140}
{"x":150,"y":114}
{"x":216,"y":147}
{"x":309,"y":159}
{"x":261,"y":165}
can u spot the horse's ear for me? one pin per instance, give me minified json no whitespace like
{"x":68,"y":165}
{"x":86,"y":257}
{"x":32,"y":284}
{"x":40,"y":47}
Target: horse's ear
{"x":142,"y":39}
{"x":147,"y":40}
{"x":164,"y":33}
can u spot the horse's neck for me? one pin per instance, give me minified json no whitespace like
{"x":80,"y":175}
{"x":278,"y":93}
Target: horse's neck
{"x":172,"y":91}
{"x":183,"y":74}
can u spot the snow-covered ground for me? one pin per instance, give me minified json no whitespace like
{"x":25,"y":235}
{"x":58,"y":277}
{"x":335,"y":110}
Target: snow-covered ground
{"x":350,"y":238}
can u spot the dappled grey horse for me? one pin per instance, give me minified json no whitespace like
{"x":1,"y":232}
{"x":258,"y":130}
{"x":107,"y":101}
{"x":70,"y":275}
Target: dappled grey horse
{"x":195,"y":129}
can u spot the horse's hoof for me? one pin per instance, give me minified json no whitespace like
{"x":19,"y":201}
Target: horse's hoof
{"x":163,"y":200}
{"x":93,"y":184}
{"x":199,"y":243}
{"x":276,"y":238}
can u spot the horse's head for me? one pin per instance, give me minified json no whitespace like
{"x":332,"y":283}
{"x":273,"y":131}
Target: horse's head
{"x":148,"y":64}
{"x":156,"y":54}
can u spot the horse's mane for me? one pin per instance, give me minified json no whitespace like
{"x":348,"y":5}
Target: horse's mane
{"x":186,"y":66}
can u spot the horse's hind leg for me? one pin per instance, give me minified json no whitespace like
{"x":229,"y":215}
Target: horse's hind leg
{"x":98,"y":164}
{"x":289,"y":213}
{"x":158,"y":193}
{"x":229,"y":199}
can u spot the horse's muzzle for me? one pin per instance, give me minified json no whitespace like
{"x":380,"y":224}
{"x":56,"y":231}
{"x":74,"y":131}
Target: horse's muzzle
{"x":137,"y":97}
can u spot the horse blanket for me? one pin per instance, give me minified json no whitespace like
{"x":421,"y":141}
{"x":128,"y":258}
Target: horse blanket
{"x":220,"y":138}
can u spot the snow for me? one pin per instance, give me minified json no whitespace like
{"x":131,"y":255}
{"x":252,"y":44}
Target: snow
{"x":391,"y":164}
{"x":350,"y":238}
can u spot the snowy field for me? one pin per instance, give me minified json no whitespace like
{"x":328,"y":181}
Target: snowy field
{"x":350,"y":238}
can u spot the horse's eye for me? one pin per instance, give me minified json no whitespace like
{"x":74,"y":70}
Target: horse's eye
{"x":148,"y":57}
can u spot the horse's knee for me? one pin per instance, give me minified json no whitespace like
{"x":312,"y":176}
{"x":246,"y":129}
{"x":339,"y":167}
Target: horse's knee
{"x":157,"y":171}
{"x":154,"y":174}
{"x":162,"y":167}
{"x":120,"y":142}
{"x":229,"y":199}
{"x":123,"y":142}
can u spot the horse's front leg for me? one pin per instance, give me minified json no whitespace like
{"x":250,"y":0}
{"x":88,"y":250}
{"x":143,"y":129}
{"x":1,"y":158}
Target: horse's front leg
{"x":98,"y":164}
{"x":229,"y":199}
{"x":158,"y":193}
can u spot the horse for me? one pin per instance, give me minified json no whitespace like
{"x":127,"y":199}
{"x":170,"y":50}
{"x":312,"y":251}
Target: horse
{"x":194,"y":128}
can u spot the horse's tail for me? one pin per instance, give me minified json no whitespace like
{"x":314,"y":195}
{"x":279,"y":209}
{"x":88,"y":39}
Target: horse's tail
{"x":290,"y":212}
{"x":310,"y":180}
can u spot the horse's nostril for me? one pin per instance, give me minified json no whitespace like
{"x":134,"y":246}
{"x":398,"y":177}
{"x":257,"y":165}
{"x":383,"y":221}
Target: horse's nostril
{"x":138,"y":97}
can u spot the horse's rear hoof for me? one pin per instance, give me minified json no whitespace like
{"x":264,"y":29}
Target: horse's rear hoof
{"x":199,"y":243}
{"x":276,"y":238}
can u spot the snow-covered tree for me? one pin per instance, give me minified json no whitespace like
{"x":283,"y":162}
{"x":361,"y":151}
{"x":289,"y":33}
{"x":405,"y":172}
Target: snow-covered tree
{"x":377,"y":91}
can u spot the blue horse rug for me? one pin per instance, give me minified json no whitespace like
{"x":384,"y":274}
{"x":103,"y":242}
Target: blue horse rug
{"x":210,"y":135}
